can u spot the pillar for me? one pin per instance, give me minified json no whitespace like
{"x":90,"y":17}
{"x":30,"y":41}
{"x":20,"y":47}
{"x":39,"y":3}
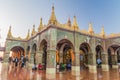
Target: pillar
{"x":51,"y":64}
{"x":31,"y":58}
{"x":114,"y":61}
{"x":51,"y":54}
{"x":28,"y":56}
{"x":105,"y":66}
{"x":92,"y":55}
{"x":6,"y":57}
{"x":76,"y":62}
{"x":92,"y":62}
{"x":39,"y":57}
{"x":76,"y":65}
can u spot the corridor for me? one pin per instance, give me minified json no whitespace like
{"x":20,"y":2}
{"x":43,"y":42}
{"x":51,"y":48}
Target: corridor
{"x":27,"y":74}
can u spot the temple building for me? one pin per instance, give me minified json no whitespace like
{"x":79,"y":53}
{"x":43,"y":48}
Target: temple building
{"x":65,"y":43}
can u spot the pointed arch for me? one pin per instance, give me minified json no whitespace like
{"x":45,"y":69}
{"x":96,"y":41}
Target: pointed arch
{"x":42,"y":44}
{"x":84,"y":51}
{"x":99,"y":51}
{"x":17,"y":51}
{"x":28,"y":53}
{"x":112,"y":56}
{"x":65,"y":51}
{"x":43,"y":49}
{"x":85,"y":47}
{"x":33,"y":53}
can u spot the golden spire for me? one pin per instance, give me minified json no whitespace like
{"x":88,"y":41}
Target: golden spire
{"x":9,"y":35}
{"x":28,"y":35}
{"x":40,"y":26}
{"x":75,"y":25}
{"x":90,"y":30}
{"x":69,"y":22}
{"x":33,"y":31}
{"x":102,"y":32}
{"x":52,"y":19}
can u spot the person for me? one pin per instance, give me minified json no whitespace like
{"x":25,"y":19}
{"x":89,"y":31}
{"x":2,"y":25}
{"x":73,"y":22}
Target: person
{"x":16,"y":62}
{"x":23,"y":59}
{"x":40,"y":67}
{"x":68,"y":67}
{"x":13,"y":59}
{"x":99,"y":62}
{"x":58,"y":67}
{"x":34,"y":67}
{"x":62,"y":66}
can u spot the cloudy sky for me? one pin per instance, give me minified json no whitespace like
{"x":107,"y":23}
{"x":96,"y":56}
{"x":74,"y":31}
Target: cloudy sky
{"x":22,"y":14}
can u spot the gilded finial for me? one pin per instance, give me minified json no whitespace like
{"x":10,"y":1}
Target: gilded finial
{"x":102,"y":32}
{"x":69,"y":22}
{"x":9,"y":35}
{"x":52,"y":19}
{"x":40,"y":26}
{"x":53,"y":9}
{"x":75,"y":25}
{"x":28,"y":35}
{"x":90,"y":30}
{"x":33,"y":31}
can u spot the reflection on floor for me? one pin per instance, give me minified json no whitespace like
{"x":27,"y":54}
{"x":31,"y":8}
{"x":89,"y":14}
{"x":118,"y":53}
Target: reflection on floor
{"x":27,"y":74}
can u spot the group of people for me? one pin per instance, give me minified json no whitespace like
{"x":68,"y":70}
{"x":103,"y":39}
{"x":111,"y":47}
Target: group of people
{"x":63,"y":67}
{"x":15,"y":61}
{"x":39,"y":67}
{"x":59,"y":67}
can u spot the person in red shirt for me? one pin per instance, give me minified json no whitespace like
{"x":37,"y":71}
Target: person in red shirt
{"x":40,"y":66}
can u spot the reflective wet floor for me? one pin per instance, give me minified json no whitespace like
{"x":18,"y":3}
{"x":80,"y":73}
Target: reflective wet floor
{"x":27,"y":74}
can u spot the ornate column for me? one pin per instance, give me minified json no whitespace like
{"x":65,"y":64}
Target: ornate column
{"x":114,"y":61}
{"x":51,"y":54}
{"x":51,"y":61}
{"x":51,"y":64}
{"x":39,"y":57}
{"x":92,"y":56}
{"x":28,"y":56}
{"x":92,"y":62}
{"x":105,"y":66}
{"x":6,"y":57}
{"x":31,"y":61}
{"x":76,"y":65}
{"x":76,"y":54}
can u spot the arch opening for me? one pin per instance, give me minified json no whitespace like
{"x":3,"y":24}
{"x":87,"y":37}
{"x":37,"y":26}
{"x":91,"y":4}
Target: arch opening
{"x":28,"y":53}
{"x":17,"y":51}
{"x":17,"y":54}
{"x":113,"y":53}
{"x":43,"y":48}
{"x":84,"y":51}
{"x":64,"y":53}
{"x":99,"y":51}
{"x":33,"y":54}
